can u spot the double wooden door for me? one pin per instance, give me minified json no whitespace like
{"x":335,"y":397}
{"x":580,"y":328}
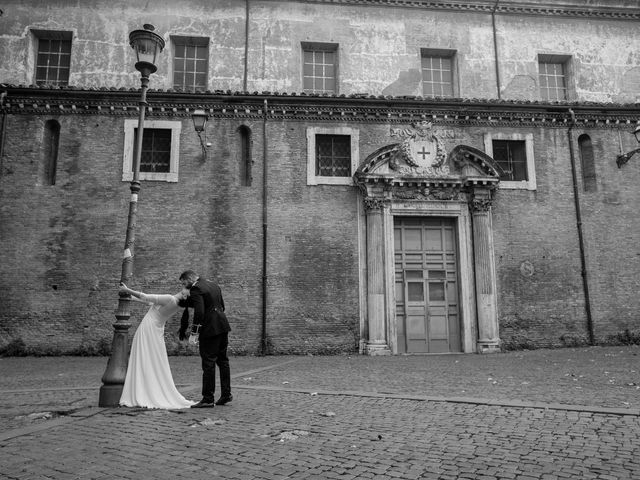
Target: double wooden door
{"x":426,"y":279}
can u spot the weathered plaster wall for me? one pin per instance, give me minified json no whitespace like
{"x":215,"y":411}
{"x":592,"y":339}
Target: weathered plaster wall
{"x":604,"y":58}
{"x":101,"y":55}
{"x":379,"y":47}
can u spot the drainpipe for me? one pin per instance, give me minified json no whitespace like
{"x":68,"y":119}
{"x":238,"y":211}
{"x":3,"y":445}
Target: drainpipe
{"x":3,"y":133}
{"x":495,"y":47}
{"x":263,"y":338}
{"x":246,"y":45}
{"x":576,"y":199}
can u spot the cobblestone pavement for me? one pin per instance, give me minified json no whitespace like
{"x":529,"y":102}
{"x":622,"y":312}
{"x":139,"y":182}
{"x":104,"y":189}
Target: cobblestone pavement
{"x":546,"y":414}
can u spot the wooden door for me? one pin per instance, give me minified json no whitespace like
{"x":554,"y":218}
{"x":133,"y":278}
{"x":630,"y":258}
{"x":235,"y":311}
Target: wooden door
{"x":427,"y":311}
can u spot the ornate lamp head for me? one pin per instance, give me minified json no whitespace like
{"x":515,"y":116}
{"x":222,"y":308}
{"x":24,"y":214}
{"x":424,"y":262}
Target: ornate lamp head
{"x":147,"y":45}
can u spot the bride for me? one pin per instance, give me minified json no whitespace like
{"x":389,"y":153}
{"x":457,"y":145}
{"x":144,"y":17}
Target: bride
{"x":149,"y":382}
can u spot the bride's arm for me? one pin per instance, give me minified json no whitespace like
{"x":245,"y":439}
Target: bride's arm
{"x":143,"y":297}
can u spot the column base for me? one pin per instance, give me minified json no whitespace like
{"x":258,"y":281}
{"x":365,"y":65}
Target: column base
{"x":376,"y":348}
{"x":488,"y":346}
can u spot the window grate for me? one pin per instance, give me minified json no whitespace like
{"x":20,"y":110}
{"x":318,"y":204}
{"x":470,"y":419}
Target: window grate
{"x":512,"y":158}
{"x":156,"y":150}
{"x":333,"y":155}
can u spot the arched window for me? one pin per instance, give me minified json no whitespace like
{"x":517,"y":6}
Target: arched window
{"x":51,"y":140}
{"x":245,"y":155}
{"x":588,"y":163}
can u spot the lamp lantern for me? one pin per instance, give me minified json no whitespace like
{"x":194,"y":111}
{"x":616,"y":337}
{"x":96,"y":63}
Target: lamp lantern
{"x":199,"y":118}
{"x":625,"y":157}
{"x":147,"y":44}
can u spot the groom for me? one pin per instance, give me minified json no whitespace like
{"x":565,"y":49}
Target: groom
{"x":206,"y":300}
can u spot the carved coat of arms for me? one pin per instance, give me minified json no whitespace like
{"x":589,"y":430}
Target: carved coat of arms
{"x":420,"y":151}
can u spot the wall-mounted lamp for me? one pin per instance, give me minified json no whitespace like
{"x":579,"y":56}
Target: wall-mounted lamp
{"x":624,"y":158}
{"x":199,"y":118}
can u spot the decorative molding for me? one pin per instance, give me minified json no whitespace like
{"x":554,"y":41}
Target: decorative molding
{"x":480,"y":205}
{"x":506,"y":7}
{"x":426,"y":193}
{"x":372,"y":203}
{"x":449,"y":112}
{"x":412,"y":149}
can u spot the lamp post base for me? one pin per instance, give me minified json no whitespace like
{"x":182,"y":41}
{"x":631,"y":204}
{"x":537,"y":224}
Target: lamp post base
{"x":110,"y":395}
{"x":116,"y":372}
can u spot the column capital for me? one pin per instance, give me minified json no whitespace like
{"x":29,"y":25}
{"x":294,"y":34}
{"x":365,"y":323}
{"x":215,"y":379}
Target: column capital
{"x":481,"y":204}
{"x":373,"y":203}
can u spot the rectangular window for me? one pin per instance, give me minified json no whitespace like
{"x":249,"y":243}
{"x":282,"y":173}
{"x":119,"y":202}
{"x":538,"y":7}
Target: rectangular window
{"x":319,"y":67}
{"x":156,"y":150}
{"x":333,"y":155}
{"x":190,"y":63}
{"x":552,"y":73}
{"x":160,"y":150}
{"x":513,"y":154}
{"x":511,"y":157}
{"x":53,"y":58}
{"x":437,"y":73}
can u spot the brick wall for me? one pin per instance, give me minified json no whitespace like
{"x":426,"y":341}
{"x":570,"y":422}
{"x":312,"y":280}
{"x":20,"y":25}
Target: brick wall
{"x":63,"y":243}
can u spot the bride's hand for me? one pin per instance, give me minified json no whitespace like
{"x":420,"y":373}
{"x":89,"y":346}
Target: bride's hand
{"x":123,"y":288}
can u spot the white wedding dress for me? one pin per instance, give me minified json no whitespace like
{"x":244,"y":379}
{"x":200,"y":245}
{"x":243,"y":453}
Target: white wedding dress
{"x":149,"y":382}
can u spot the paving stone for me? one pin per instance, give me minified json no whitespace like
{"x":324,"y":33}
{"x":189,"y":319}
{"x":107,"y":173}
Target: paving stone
{"x":422,"y":434}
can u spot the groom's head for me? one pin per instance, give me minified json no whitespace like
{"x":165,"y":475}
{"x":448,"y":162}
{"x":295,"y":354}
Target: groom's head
{"x":188,"y":278}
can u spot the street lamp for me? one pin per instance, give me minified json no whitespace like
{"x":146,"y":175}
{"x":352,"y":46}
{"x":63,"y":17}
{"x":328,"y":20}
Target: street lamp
{"x":199,"y":118}
{"x":147,"y":46}
{"x":624,"y":158}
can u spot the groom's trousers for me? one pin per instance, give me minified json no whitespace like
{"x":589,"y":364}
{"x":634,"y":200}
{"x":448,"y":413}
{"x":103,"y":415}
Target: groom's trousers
{"x":213,"y":351}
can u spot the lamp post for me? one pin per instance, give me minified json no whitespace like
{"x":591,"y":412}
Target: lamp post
{"x":625,"y":157}
{"x":147,"y":46}
{"x":199,"y":118}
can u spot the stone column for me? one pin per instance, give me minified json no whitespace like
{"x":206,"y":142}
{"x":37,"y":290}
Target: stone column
{"x":485,"y":272}
{"x":376,"y":305}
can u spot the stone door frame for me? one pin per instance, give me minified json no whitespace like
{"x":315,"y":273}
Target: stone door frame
{"x":466,"y":197}
{"x":459,"y":212}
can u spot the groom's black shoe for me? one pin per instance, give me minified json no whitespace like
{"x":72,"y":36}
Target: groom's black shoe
{"x":224,"y":400}
{"x":203,"y":404}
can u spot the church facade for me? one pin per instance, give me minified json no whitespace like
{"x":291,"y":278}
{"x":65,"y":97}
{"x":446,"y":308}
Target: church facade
{"x":381,"y":177}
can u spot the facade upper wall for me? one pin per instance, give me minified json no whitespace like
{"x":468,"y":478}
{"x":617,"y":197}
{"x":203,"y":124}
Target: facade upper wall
{"x":604,"y":64}
{"x":379,"y":46}
{"x":101,"y":55}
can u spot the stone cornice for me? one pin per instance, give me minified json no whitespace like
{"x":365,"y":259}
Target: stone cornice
{"x":624,"y":10}
{"x":353,"y":108}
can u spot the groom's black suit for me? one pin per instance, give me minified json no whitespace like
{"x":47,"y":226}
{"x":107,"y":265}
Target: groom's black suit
{"x":208,"y":311}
